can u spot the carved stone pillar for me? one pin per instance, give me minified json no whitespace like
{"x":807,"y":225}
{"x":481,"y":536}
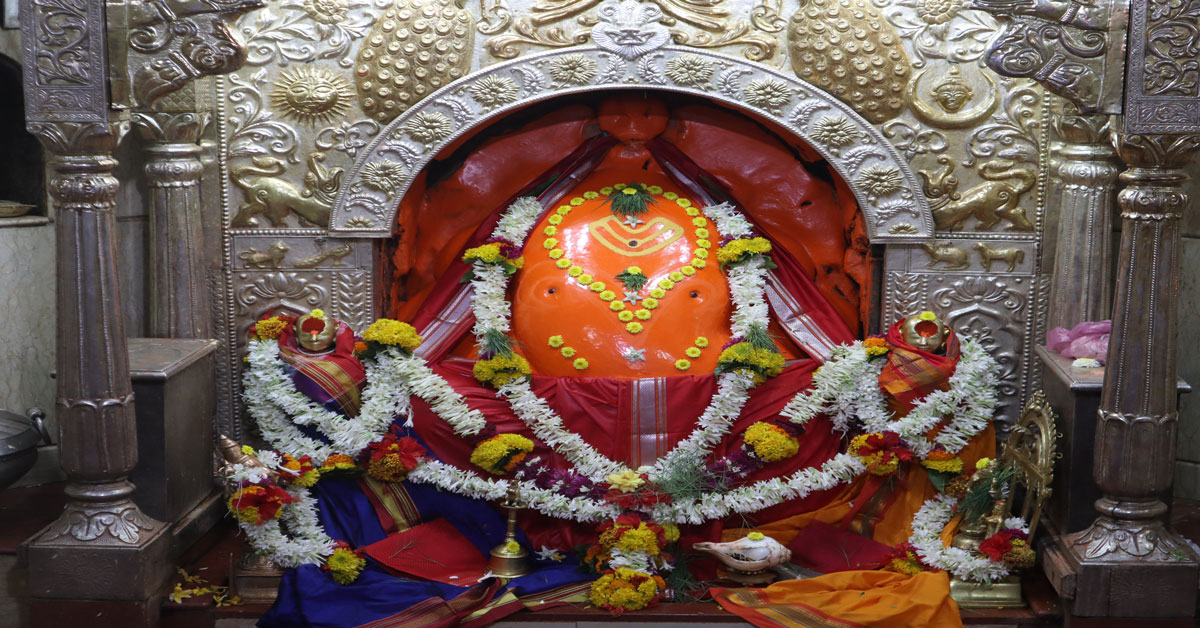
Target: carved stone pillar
{"x":1128,"y":564}
{"x":1081,"y":288}
{"x":102,"y":547}
{"x":179,"y":299}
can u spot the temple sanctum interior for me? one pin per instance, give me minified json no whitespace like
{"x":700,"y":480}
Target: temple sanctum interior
{"x":570,"y":313}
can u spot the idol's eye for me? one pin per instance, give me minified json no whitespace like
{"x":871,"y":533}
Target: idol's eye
{"x":694,"y":294}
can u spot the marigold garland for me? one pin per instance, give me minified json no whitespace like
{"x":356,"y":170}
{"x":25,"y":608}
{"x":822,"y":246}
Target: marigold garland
{"x":770,"y":442}
{"x":503,"y":369}
{"x":386,"y":331}
{"x":269,"y":328}
{"x":500,"y":454}
{"x":623,"y":590}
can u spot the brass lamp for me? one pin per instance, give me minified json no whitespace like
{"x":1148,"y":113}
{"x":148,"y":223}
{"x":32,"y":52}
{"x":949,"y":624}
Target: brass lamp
{"x":509,"y":559}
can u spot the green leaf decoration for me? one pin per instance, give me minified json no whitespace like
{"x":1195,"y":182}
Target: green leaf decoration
{"x":633,"y":281}
{"x":630,"y":204}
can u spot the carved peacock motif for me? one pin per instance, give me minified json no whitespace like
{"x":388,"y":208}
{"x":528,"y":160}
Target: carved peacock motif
{"x":415,"y":47}
{"x":848,"y":49}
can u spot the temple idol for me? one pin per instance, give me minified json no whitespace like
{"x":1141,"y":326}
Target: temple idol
{"x":859,"y":313}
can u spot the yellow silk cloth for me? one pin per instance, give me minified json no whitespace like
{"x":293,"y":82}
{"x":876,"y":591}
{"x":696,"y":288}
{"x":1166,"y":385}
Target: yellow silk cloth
{"x":848,"y":599}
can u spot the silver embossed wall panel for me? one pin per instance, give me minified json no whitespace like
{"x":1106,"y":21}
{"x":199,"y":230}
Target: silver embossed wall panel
{"x":324,"y":79}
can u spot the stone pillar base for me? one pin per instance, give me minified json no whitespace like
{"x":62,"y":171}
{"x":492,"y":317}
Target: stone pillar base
{"x":62,"y":565}
{"x":1160,"y":587}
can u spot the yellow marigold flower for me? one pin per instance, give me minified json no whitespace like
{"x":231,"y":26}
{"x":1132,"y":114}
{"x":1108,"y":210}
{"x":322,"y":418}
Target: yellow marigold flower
{"x":501,"y":453}
{"x":619,"y":186}
{"x":770,"y":442}
{"x":639,"y":539}
{"x":549,"y":243}
{"x":501,"y":369}
{"x":568,"y":352}
{"x":655,"y":190}
{"x":606,"y":190}
{"x":556,"y":254}
{"x":563,"y":263}
{"x":317,"y":313}
{"x":590,"y":195}
{"x":670,"y":196}
{"x":702,"y":233}
{"x":386,"y":331}
{"x":597,"y":286}
{"x":248,"y":450}
{"x":575,"y":271}
{"x":577,"y":201}
{"x":950,"y":465}
{"x":563,"y":210}
{"x":650,"y":303}
{"x":874,"y":351}
{"x":667,"y":284}
{"x":555,"y":341}
{"x":625,"y":316}
{"x":584,"y":279}
{"x":634,"y":327}
{"x":683,"y":365}
{"x":671,"y":532}
{"x":704,"y":244}
{"x":692,"y":352}
{"x":699,"y":263}
{"x":634,"y":270}
{"x":616,"y":306}
{"x":269,"y":328}
{"x":688,"y":270}
{"x":608,"y":295}
{"x":701,"y":342}
{"x":675,"y":276}
{"x":626,"y":481}
{"x":928,"y":316}
{"x":629,"y":191}
{"x":701,"y":253}
{"x":642,"y":315}
{"x":580,"y":364}
{"x":512,"y":547}
{"x":344,"y":565}
{"x":488,"y":253}
{"x":692,"y":211}
{"x":551,"y":230}
{"x":699,"y":221}
{"x":756,"y":536}
{"x":983,"y":463}
{"x":658,"y":293}
{"x":555,"y":219}
{"x":683,"y":202}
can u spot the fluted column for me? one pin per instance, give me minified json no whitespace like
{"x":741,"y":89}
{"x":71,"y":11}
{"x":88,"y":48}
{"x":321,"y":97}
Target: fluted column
{"x":179,"y":300}
{"x":1081,"y":286}
{"x":102,"y":546}
{"x":1128,"y":563}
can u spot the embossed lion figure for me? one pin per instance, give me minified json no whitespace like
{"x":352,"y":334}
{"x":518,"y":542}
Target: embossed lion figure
{"x":275,"y":198}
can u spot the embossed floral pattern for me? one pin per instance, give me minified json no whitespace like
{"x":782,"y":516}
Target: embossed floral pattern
{"x":573,"y":69}
{"x":360,"y":222}
{"x":880,"y":180}
{"x":689,"y":70}
{"x":769,"y":94}
{"x":495,"y":90}
{"x":428,"y":128}
{"x":938,"y":11}
{"x":902,"y":228}
{"x":835,"y":131}
{"x":327,"y":11}
{"x":384,"y":176}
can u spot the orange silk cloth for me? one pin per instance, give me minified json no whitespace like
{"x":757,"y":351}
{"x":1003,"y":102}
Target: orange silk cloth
{"x":848,"y":599}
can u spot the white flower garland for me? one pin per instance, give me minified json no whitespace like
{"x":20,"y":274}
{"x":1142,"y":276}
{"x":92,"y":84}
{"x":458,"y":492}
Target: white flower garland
{"x":926,"y":539}
{"x":279,"y":408}
{"x":747,"y":284}
{"x":294,"y":538}
{"x":846,"y":389}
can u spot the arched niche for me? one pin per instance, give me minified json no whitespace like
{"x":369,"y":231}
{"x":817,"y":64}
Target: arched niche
{"x":887,"y":192}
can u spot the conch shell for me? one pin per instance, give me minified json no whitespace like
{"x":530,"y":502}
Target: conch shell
{"x":748,"y":555}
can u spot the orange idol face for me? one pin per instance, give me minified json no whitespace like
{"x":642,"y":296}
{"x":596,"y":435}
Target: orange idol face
{"x":606,"y":292}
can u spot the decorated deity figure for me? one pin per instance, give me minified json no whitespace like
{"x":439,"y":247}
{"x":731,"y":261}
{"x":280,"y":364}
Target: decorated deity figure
{"x":653,"y":339}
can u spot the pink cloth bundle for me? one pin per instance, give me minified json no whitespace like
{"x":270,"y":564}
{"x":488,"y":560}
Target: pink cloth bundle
{"x":1085,"y":340}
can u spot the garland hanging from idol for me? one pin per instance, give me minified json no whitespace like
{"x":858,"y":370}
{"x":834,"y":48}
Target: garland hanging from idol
{"x":638,"y":511}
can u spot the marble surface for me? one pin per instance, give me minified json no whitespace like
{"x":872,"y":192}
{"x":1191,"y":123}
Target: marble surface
{"x":27,"y":326}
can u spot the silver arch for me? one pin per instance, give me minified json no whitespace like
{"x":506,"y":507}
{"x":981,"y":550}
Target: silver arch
{"x":884,"y":185}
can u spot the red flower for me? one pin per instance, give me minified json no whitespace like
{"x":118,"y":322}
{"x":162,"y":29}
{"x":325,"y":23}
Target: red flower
{"x":996,"y":545}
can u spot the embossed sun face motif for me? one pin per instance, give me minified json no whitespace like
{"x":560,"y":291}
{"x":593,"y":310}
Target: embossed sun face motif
{"x":311,"y":95}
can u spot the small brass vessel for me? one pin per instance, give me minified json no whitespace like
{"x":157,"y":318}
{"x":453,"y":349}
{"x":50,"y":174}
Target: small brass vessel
{"x":504,"y":562}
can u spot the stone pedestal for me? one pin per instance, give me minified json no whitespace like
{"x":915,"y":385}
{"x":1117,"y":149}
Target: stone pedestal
{"x":173,"y":381}
{"x":1075,"y":396}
